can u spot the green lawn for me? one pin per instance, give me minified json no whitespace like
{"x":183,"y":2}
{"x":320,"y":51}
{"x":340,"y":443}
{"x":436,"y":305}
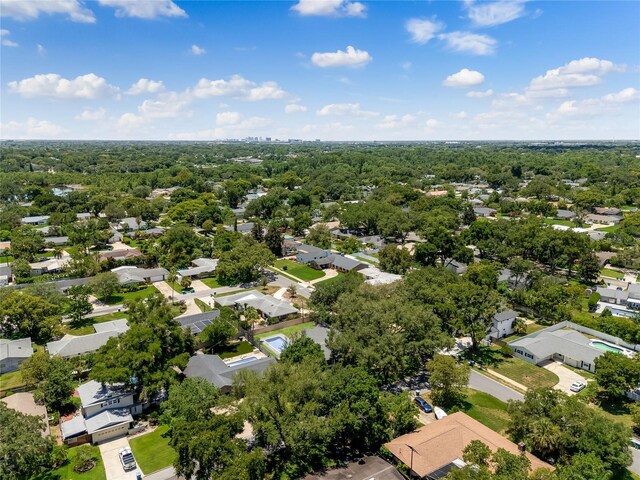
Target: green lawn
{"x":175,"y":285}
{"x":531,"y":327}
{"x":302,"y":272}
{"x":46,"y":254}
{"x":556,"y":221}
{"x":211,"y":282}
{"x":6,"y":259}
{"x":234,"y":349}
{"x":608,"y":272}
{"x":135,"y":295}
{"x":329,"y":280}
{"x":85,"y":326}
{"x":524,"y":373}
{"x":487,"y":409}
{"x":610,"y":229}
{"x":201,"y":305}
{"x":66,"y":472}
{"x":287,"y":330}
{"x":152,"y":451}
{"x":9,"y":381}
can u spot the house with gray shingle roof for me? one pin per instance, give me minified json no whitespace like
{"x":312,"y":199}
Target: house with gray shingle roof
{"x":70,"y":346}
{"x":13,"y":353}
{"x":198,"y":321}
{"x":266,"y":305}
{"x":218,"y":373}
{"x":502,"y":325}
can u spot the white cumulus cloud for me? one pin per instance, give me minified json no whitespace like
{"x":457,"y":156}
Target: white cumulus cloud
{"x":345,"y":109}
{"x":464,"y":78}
{"x":167,"y":105}
{"x":227,"y":118}
{"x":466,"y":42}
{"x":31,"y":129}
{"x":52,"y":85}
{"x":623,"y":96}
{"x":197,"y":51}
{"x":490,"y":14}
{"x":31,"y":9}
{"x":144,"y":85}
{"x":392,"y":122}
{"x":89,"y":115}
{"x":485,"y":94}
{"x":584,"y":72}
{"x":352,"y":57}
{"x":4,"y":33}
{"x":239,"y":87}
{"x":294,"y":108}
{"x":423,"y":30}
{"x":330,"y":8}
{"x":147,"y":9}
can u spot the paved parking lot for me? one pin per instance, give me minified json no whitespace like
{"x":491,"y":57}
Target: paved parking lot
{"x":566,"y":376}
{"x":112,"y":466}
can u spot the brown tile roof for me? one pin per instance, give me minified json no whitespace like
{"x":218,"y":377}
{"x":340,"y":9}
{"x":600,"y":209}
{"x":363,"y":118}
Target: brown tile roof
{"x":440,"y":443}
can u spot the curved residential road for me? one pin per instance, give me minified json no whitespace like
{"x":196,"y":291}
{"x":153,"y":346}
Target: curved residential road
{"x":481,"y":382}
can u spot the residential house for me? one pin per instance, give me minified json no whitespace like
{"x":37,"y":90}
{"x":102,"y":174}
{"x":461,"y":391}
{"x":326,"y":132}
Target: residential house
{"x":375,"y":276}
{"x":197,"y":322}
{"x":213,"y":369}
{"x":13,"y":353}
{"x":121,"y":254}
{"x":502,"y":325}
{"x":629,"y":298}
{"x":596,"y":219}
{"x":565,"y":214}
{"x":70,"y":346}
{"x":267,"y":306}
{"x":563,"y":342}
{"x":149,"y":232}
{"x":50,"y":265}
{"x":107,"y":412}
{"x":25,"y":403}
{"x":6,"y":275}
{"x":130,"y":275}
{"x":367,"y":468}
{"x":83,"y":216}
{"x":308,"y":253}
{"x":607,"y":211}
{"x":243,"y":228}
{"x":485,"y":212}
{"x":457,"y":267}
{"x":201,"y":267}
{"x":57,"y":241}
{"x":130,"y":224}
{"x":36,"y":220}
{"x":339,"y":263}
{"x":319,"y":334}
{"x":116,"y":236}
{"x":437,"y":448}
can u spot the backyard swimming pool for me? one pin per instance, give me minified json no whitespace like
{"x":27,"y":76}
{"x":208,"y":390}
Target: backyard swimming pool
{"x":241,"y":362}
{"x":277,"y":343}
{"x":606,"y":347}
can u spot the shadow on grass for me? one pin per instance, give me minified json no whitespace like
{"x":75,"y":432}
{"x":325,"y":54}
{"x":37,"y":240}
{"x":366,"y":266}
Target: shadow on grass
{"x":486,"y":356}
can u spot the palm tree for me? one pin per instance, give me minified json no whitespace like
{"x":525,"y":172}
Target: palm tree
{"x":172,"y":278}
{"x":544,"y":436}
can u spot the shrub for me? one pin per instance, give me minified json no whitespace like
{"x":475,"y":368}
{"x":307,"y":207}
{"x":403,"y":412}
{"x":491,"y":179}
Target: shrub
{"x":84,"y":460}
{"x":594,"y":298}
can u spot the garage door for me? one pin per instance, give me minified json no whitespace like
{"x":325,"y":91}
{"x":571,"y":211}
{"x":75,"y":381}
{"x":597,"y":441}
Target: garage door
{"x":110,"y":433}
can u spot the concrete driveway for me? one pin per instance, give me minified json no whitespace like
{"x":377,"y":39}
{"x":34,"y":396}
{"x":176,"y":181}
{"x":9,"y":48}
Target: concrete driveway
{"x":565,"y":375}
{"x":112,"y":466}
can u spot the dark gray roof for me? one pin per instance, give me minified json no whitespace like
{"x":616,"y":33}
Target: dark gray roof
{"x":310,"y":249}
{"x":565,"y":214}
{"x":369,"y":468}
{"x":319,"y":335}
{"x":505,"y":315}
{"x":215,"y":371}
{"x":198,"y":321}
{"x":345,"y":263}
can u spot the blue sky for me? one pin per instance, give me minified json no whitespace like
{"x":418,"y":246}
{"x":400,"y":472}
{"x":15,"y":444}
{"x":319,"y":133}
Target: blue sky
{"x":329,"y":69}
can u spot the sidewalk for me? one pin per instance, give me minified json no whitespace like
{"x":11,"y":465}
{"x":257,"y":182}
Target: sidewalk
{"x":507,"y":380}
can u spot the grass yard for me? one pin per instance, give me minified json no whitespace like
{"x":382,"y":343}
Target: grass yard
{"x":287,"y":330}
{"x":175,"y":285}
{"x":211,"y":282}
{"x":328,"y":280}
{"x":135,"y":295}
{"x":109,"y":317}
{"x":201,"y":305}
{"x":152,"y":450}
{"x":609,"y":229}
{"x":85,"y":326}
{"x":486,"y":409}
{"x":556,"y":221}
{"x":517,"y":370}
{"x":66,"y":472}
{"x":302,"y":272}
{"x":234,"y":349}
{"x":608,"y":272}
{"x":9,"y":381}
{"x":531,"y":327}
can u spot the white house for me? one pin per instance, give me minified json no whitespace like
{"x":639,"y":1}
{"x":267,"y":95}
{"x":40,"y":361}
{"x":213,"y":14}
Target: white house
{"x":502,"y":325}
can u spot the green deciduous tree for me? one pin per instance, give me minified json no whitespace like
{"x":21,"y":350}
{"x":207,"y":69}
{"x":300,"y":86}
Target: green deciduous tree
{"x":617,"y":374}
{"x":27,"y":315}
{"x":395,"y":260}
{"x":245,"y":262}
{"x":448,"y":380}
{"x":78,"y":303}
{"x":104,"y":284}
{"x":319,"y":236}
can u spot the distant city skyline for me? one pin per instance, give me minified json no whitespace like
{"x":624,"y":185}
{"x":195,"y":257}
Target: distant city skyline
{"x":335,"y":70}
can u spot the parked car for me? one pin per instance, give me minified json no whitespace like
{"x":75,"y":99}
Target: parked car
{"x":577,"y":386}
{"x":423,"y":405}
{"x":188,"y":290}
{"x":635,"y":443}
{"x":126,"y":459}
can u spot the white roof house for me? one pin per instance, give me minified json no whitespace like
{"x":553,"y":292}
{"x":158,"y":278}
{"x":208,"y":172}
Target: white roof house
{"x":200,"y":267}
{"x":13,"y":353}
{"x":266,"y":305}
{"x":71,"y":346}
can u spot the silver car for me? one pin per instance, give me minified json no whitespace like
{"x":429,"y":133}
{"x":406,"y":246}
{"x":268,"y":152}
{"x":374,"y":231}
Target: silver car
{"x":577,"y":386}
{"x":126,"y":459}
